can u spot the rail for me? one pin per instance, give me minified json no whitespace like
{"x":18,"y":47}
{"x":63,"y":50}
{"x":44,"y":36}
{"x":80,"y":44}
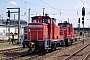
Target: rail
{"x":86,"y":57}
{"x":3,"y":52}
{"x":76,"y":52}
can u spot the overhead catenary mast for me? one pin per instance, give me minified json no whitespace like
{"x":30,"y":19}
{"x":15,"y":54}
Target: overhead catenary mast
{"x":43,"y":11}
{"x":29,"y":15}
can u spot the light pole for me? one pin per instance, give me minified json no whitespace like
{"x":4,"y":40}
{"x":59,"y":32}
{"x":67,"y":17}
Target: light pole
{"x":79,"y":27}
{"x":0,"y":17}
{"x":14,"y":19}
{"x":29,"y":16}
{"x":89,"y":31}
{"x":2,"y":20}
{"x":68,"y":19}
{"x":60,"y":12}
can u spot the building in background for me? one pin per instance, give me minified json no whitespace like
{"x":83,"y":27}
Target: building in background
{"x":13,"y":26}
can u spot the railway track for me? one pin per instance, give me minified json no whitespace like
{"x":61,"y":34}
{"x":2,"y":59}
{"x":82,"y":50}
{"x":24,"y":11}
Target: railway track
{"x":19,"y":53}
{"x":38,"y":55}
{"x":63,"y":53}
{"x":1,"y":41}
{"x":87,"y":57}
{"x":43,"y":57}
{"x":12,"y":53}
{"x":73,"y":54}
{"x":12,"y":49}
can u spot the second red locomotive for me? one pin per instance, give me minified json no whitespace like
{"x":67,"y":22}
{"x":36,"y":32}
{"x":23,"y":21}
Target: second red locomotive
{"x":43,"y":33}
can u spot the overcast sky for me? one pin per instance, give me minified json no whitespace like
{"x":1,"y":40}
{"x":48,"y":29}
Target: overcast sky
{"x":62,"y":10}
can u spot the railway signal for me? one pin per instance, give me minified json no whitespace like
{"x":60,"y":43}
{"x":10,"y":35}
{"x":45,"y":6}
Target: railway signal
{"x":8,"y":13}
{"x":7,"y":21}
{"x":79,"y":20}
{"x":83,"y":14}
{"x":83,"y":20}
{"x":18,"y":21}
{"x":83,"y":11}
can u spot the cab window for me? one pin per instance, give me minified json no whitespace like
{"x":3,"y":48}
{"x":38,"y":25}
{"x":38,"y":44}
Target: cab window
{"x":35,"y":20}
{"x":60,"y":24}
{"x":46,"y":20}
{"x":67,"y":25}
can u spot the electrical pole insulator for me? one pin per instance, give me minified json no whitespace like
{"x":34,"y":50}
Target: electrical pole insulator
{"x":8,"y":13}
{"x":79,"y":20}
{"x":83,"y":11}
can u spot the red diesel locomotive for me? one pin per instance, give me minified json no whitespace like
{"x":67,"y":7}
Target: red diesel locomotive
{"x":43,"y":33}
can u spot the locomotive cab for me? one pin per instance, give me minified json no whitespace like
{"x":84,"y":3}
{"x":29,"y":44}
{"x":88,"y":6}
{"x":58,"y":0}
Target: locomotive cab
{"x":36,"y":32}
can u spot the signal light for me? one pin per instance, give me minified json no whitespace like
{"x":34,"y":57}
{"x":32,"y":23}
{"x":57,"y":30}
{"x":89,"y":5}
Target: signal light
{"x":83,"y":11}
{"x":79,"y":20}
{"x":7,"y":21}
{"x":82,"y":18}
{"x":8,"y":13}
{"x":82,"y":22}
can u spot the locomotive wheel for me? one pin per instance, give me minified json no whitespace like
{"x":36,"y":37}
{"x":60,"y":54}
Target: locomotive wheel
{"x":71,"y":41}
{"x":53,"y":47}
{"x":27,"y":44}
{"x":23,"y":44}
{"x":75,"y":39}
{"x":62,"y":42}
{"x":66,"y":42}
{"x":31,"y":46}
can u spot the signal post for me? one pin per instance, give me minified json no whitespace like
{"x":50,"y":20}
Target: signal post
{"x":79,"y":27}
{"x":83,"y":14}
{"x":18,"y":22}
